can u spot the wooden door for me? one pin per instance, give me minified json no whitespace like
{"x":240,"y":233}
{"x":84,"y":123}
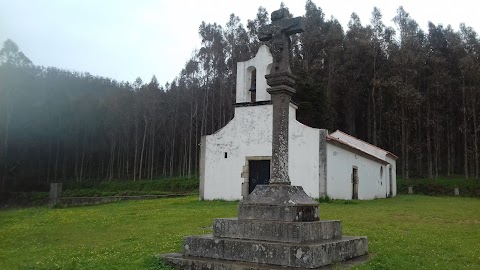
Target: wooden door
{"x":259,"y":173}
{"x":355,"y":183}
{"x":390,"y":178}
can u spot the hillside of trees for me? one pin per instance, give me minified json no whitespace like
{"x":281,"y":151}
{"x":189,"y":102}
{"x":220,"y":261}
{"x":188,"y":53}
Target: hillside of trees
{"x":413,"y":92}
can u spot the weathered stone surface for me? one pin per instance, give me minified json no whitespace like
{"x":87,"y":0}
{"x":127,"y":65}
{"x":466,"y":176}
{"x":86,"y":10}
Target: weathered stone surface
{"x":278,"y":32}
{"x":188,"y":263}
{"x":281,"y":105}
{"x":289,"y":232}
{"x":278,"y":202}
{"x":309,"y":255}
{"x":322,"y":166}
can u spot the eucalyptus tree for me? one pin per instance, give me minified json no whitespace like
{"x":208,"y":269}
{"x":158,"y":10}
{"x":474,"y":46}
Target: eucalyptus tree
{"x":408,"y":62}
{"x":470,"y":68}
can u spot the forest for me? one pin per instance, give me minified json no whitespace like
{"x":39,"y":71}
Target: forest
{"x":413,"y":92}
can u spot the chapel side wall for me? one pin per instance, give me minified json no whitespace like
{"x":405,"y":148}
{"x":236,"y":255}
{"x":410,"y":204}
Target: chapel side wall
{"x":339,"y":171}
{"x":303,"y":165}
{"x":393,"y":164}
{"x":248,"y":134}
{"x":201,"y":189}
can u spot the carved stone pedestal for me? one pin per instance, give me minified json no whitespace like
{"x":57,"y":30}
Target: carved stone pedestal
{"x":277,"y":226}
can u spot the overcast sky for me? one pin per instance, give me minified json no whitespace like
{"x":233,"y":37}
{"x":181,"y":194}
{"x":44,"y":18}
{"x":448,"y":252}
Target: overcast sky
{"x":138,"y":38}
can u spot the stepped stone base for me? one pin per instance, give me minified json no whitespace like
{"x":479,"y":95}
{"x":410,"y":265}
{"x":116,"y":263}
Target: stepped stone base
{"x":195,"y":263}
{"x":311,"y":255}
{"x":281,"y":231}
{"x":278,"y":227}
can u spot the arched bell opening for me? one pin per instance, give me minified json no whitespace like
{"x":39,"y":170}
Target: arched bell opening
{"x":253,"y":84}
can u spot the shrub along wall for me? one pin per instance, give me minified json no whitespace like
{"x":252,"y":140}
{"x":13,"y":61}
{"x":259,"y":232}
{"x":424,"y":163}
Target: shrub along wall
{"x":104,"y":189}
{"x":441,"y":186}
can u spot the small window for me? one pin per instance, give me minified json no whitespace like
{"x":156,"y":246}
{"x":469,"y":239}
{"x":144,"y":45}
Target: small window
{"x":381,"y":172}
{"x":225,"y":154}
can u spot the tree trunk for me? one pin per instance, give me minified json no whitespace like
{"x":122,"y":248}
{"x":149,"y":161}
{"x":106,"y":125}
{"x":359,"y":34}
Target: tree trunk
{"x":403,"y":143}
{"x":143,"y":146}
{"x":152,"y":146}
{"x":429,"y":144}
{"x":374,"y":107}
{"x":49,"y":159}
{"x":136,"y":149}
{"x":465,"y":148}
{"x":56,"y":160}
{"x":449,"y":152}
{"x":83,"y":152}
{"x":475,"y":137}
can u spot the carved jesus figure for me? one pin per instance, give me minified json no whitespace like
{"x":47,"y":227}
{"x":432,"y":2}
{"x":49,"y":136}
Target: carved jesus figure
{"x":279,"y":32}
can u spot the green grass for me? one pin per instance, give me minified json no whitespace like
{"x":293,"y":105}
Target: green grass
{"x":406,"y":232}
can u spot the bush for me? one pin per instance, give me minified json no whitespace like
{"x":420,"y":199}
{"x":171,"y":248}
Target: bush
{"x":440,"y":186}
{"x":131,"y":188}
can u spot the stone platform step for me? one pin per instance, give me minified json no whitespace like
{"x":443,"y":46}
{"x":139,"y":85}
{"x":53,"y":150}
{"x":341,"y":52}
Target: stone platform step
{"x":277,"y":231}
{"x":194,"y":263}
{"x":297,"y":255}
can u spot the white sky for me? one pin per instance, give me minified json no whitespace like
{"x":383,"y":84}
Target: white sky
{"x":125,"y":39}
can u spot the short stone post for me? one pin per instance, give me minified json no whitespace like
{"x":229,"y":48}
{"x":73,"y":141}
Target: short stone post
{"x":55,"y":194}
{"x":456,"y":191}
{"x":410,"y":190}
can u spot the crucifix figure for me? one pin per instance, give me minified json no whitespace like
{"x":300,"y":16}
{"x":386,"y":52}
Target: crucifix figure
{"x":279,"y":33}
{"x":281,"y":82}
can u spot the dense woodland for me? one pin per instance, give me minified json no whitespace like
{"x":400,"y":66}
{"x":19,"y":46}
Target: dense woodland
{"x":413,"y":92}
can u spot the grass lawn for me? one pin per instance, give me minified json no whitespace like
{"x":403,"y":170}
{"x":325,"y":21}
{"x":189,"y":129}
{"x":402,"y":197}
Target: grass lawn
{"x":406,"y":232}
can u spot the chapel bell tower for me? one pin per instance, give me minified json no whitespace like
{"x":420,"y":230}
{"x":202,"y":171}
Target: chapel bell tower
{"x":251,"y":82}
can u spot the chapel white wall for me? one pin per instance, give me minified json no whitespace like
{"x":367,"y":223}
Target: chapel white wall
{"x":250,"y":134}
{"x":303,"y":165}
{"x":393,"y":164}
{"x":339,"y":172}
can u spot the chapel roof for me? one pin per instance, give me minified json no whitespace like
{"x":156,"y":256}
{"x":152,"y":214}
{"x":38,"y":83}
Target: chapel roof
{"x":368,"y":149}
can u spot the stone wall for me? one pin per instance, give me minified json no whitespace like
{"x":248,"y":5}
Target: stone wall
{"x":78,"y":201}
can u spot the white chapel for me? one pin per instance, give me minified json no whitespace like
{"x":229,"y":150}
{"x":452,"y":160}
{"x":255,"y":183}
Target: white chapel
{"x":237,"y":157}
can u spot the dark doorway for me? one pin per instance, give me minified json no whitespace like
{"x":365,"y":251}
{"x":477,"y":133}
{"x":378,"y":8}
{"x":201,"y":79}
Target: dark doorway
{"x":259,"y":173}
{"x":355,"y":183}
{"x":390,"y":177}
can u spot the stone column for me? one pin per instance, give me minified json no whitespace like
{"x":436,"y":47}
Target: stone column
{"x":281,"y":91}
{"x":322,"y":166}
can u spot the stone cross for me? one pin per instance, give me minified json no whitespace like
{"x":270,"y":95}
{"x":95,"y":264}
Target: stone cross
{"x":281,"y":81}
{"x":279,"y":33}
